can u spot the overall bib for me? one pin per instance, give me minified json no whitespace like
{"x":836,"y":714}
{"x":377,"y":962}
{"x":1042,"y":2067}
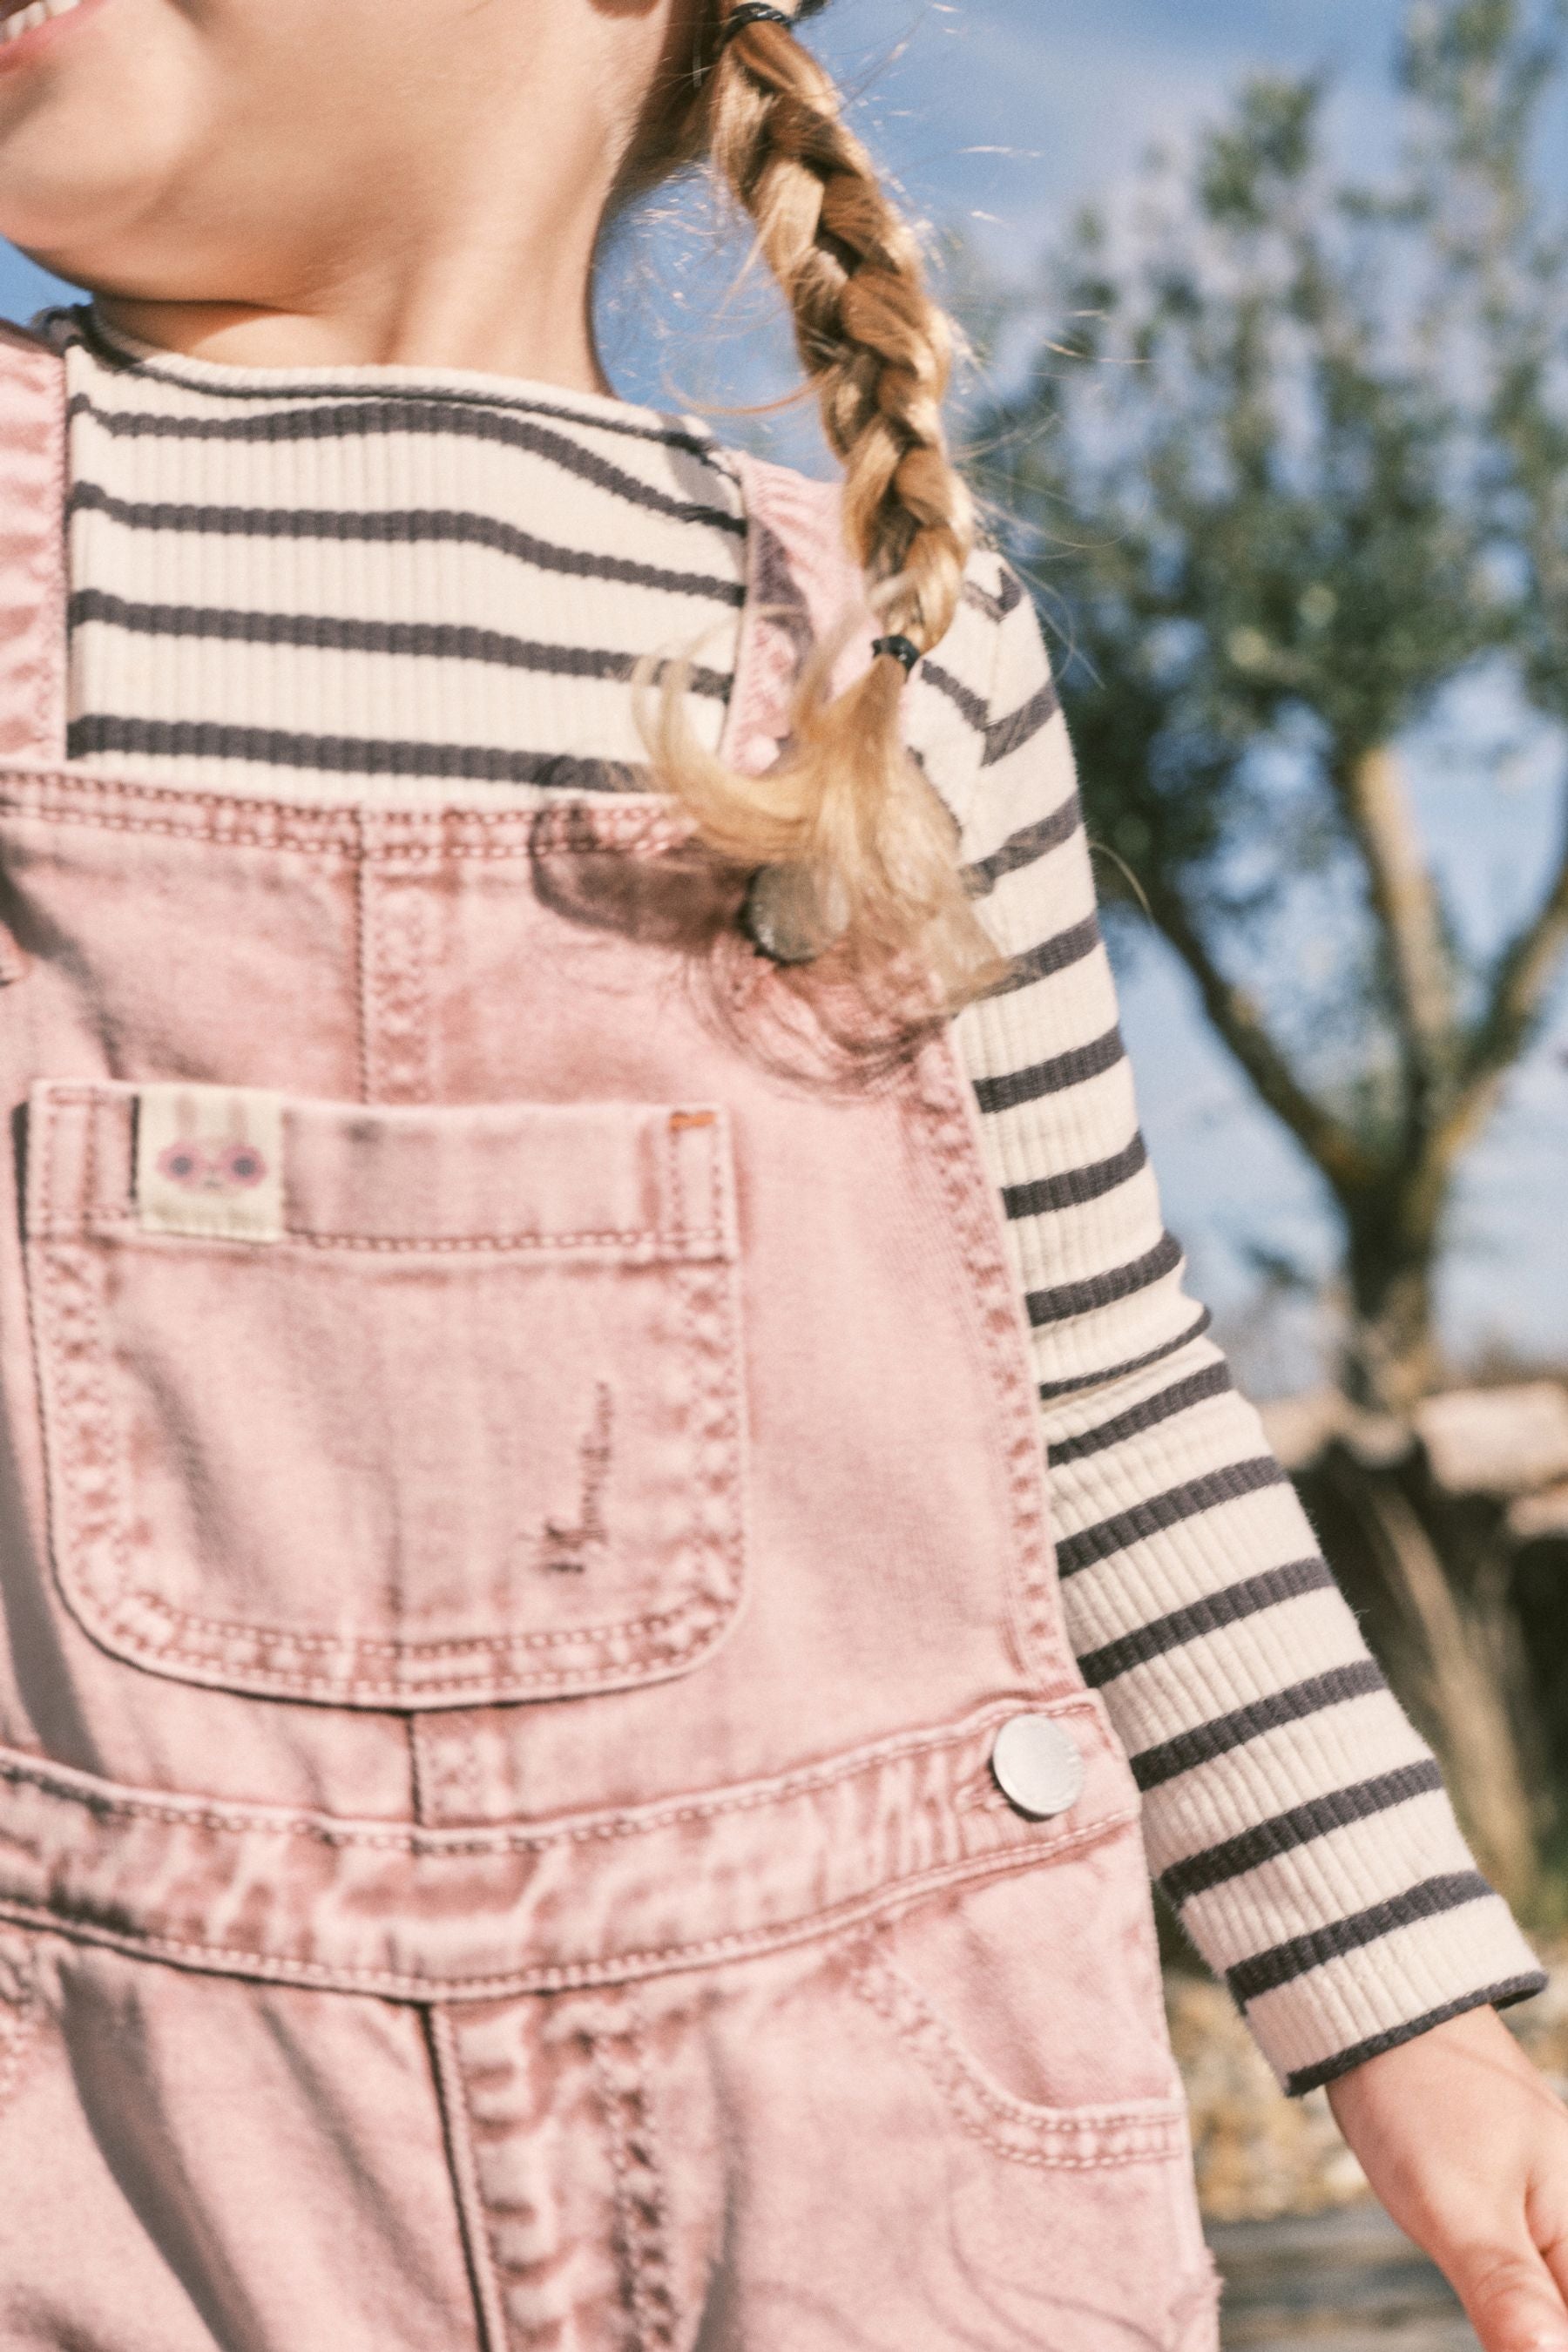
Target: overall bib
{"x":544,"y":1799}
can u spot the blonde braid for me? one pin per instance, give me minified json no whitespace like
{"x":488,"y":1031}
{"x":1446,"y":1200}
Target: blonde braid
{"x":846,"y":821}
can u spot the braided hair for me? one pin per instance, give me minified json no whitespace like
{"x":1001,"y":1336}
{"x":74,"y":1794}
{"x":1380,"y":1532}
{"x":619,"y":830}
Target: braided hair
{"x":846,"y":821}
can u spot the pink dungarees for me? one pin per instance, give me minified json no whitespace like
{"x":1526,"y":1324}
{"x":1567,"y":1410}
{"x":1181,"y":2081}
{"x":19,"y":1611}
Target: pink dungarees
{"x":523,"y":1533}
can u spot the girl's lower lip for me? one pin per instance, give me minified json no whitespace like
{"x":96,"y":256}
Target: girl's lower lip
{"x":39,"y":39}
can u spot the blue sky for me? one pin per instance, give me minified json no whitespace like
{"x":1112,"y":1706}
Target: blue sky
{"x":999,"y":116}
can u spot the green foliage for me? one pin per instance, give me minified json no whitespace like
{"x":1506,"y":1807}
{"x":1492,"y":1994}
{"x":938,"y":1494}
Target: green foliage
{"x":1294,"y":460}
{"x":1244,"y":171}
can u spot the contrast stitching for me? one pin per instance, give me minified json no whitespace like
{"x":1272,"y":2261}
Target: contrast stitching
{"x":716,"y":1405}
{"x":678,"y":1240}
{"x":451,"y":1244}
{"x":1138,"y":2133}
{"x":678,"y":1646}
{"x":457,"y":1646}
{"x":672,"y":1175}
{"x":23,"y":2015}
{"x":955,"y":1151}
{"x":681,"y":1634}
{"x":536,"y":819}
{"x":18,"y":2041}
{"x":641,"y":2219}
{"x":397,"y":1028}
{"x":73,"y":1362}
{"x":90,"y":1159}
{"x":813,"y":1780}
{"x":553,"y":1976}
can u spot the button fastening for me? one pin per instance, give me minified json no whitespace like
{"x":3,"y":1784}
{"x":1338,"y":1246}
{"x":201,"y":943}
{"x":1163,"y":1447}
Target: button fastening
{"x":1037,"y":1765}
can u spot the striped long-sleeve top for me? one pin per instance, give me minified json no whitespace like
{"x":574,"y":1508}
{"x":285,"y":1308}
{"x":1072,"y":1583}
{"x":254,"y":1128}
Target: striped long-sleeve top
{"x":294,"y":578}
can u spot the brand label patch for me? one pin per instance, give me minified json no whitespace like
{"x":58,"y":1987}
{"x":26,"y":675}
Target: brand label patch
{"x":209,"y":1159}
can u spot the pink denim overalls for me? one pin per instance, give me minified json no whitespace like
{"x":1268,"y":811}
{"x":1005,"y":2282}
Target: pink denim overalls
{"x":544,"y":1802}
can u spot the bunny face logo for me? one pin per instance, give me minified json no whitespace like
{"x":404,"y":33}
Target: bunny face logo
{"x":209,"y":1161}
{"x":212,"y":1164}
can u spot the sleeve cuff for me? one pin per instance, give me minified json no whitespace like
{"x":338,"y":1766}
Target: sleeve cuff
{"x":1498,"y":1995}
{"x":1361,"y":1994}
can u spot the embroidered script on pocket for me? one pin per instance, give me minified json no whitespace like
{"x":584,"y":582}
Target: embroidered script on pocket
{"x":565,"y":1550}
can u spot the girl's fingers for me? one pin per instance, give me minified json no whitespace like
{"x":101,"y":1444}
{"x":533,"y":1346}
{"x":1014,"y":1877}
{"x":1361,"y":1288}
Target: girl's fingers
{"x":1467,"y":2147}
{"x":1512,"y":2300}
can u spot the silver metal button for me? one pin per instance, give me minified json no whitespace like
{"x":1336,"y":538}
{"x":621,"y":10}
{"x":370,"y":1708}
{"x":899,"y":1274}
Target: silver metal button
{"x":1037,"y":1765}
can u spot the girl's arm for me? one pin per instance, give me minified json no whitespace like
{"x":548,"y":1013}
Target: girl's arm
{"x":1297,"y":1822}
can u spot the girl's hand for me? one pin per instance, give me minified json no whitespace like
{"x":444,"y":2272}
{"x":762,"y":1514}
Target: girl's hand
{"x":1467,"y":2148}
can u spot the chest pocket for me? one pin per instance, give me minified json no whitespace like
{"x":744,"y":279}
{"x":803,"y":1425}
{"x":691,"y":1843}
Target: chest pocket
{"x":408,"y":1408}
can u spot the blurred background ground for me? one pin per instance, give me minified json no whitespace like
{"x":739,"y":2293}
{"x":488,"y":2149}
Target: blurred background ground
{"x":1261,"y":2156}
{"x":1338,"y":2282}
{"x":1308,"y":2258}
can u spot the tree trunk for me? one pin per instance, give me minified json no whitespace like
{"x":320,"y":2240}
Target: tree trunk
{"x":1405,"y":895}
{"x":1392,"y":1353}
{"x":1420,"y":1567}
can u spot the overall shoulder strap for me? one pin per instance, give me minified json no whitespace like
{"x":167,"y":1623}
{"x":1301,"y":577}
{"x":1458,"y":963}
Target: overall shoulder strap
{"x":32,"y":547}
{"x":802,"y":584}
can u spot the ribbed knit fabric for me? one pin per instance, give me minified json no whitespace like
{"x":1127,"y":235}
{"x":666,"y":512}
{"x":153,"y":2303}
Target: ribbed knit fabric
{"x":291,"y":579}
{"x":389,"y":573}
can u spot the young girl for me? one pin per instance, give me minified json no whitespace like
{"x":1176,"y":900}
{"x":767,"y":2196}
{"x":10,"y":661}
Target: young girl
{"x":555,"y":1793}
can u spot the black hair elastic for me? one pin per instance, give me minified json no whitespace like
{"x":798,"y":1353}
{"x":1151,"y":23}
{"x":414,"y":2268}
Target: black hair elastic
{"x":753,"y":12}
{"x":903,"y":649}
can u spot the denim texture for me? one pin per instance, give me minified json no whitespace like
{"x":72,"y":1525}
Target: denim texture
{"x":523,"y":1518}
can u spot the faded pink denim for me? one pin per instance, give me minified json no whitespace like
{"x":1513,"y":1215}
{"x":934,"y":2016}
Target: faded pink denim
{"x":522,"y":1520}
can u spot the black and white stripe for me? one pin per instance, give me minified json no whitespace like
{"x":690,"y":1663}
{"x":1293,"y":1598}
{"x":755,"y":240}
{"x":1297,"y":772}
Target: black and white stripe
{"x":382,"y":573}
{"x":1297,"y":1820}
{"x":387,"y":573}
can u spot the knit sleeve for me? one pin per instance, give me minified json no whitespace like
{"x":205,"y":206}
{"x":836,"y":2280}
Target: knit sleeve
{"x":1297,"y":1822}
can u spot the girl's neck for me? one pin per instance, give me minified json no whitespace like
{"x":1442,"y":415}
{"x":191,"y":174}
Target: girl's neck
{"x":486,"y":263}
{"x":542,"y":330}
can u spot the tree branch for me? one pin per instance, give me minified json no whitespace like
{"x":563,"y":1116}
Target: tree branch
{"x":1328,"y":1143}
{"x":1525,"y":973}
{"x":1376,"y":801}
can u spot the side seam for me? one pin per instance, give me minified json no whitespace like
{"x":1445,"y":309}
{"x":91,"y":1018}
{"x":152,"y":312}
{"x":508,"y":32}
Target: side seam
{"x":447,"y":2067}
